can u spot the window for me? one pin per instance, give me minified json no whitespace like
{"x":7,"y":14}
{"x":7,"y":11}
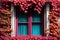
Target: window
{"x":29,"y":24}
{"x":36,"y":29}
{"x":36,"y":18}
{"x":36,"y":26}
{"x":22,"y":18}
{"x":22,"y":29}
{"x":22,"y":24}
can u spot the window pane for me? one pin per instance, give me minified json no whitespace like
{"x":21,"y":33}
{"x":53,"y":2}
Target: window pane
{"x":22,"y":29}
{"x":22,"y":18}
{"x":36,"y":29}
{"x":36,"y":18}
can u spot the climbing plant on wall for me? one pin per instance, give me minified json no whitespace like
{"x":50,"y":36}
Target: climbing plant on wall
{"x":26,"y":6}
{"x":53,"y":18}
{"x":5,"y":21}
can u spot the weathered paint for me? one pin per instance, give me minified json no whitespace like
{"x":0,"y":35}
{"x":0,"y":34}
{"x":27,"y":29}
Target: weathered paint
{"x":13,"y":21}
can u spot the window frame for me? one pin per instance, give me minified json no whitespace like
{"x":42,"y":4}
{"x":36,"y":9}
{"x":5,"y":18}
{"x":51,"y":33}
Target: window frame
{"x":30,"y":25}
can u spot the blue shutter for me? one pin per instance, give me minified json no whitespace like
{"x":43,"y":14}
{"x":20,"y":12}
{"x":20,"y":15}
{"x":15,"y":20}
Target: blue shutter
{"x":36,"y":29}
{"x":22,"y":18}
{"x":22,"y":29}
{"x":36,"y":18}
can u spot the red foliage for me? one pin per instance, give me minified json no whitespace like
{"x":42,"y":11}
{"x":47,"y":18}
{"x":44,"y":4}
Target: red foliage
{"x":25,"y":5}
{"x":53,"y":17}
{"x":36,"y":5}
{"x":5,"y":37}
